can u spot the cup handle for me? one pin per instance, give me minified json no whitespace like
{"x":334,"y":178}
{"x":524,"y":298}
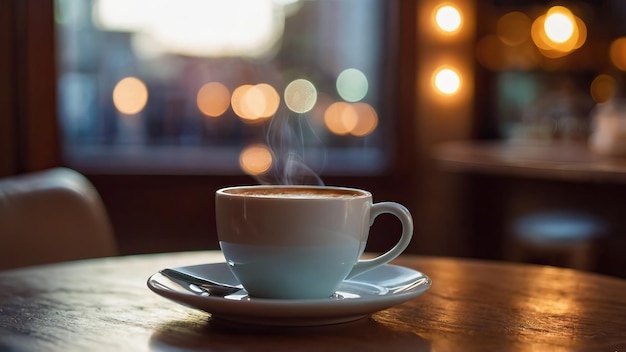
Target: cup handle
{"x":405,"y":218}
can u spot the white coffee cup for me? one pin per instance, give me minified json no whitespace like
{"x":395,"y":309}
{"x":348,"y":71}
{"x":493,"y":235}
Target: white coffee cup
{"x":300,"y":242}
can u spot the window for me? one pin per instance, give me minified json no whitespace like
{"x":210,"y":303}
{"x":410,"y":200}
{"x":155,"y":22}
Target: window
{"x":284,"y":90}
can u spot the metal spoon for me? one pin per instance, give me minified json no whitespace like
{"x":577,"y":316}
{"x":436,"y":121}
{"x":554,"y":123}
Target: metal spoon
{"x":192,"y":282}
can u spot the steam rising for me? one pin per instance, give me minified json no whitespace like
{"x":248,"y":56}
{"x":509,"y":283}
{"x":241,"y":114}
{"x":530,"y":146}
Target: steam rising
{"x":294,"y":146}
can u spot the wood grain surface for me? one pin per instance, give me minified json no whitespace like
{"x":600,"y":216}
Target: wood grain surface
{"x":104,"y":304}
{"x":567,"y":161}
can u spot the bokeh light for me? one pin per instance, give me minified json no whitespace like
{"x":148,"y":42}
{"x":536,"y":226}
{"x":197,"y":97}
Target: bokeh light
{"x":493,"y":54}
{"x":239,"y":102}
{"x":255,"y":159}
{"x":448,"y":18}
{"x":559,"y":24}
{"x":617,"y":52}
{"x":581,"y":27}
{"x":130,"y":95}
{"x":447,"y":81}
{"x":352,"y":85}
{"x":300,"y":96}
{"x":255,"y":103}
{"x":357,"y":119}
{"x":213,"y":99}
{"x":340,"y":118}
{"x":558,"y":32}
{"x":248,"y":28}
{"x":514,"y":28}
{"x":603,"y":88}
{"x":367,"y":120}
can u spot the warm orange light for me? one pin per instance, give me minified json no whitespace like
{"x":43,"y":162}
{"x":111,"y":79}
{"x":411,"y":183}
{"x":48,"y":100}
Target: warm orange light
{"x":340,"y":118}
{"x":271,"y":100}
{"x":255,"y":103}
{"x":358,"y":119}
{"x":493,"y":54}
{"x":514,"y":28}
{"x":367,"y":120}
{"x":558,"y":32}
{"x":617,"y":52}
{"x":213,"y":99}
{"x":603,"y":88}
{"x":130,"y":96}
{"x":448,"y":18}
{"x":582,"y":32}
{"x":256,"y":159}
{"x":447,"y":81}
{"x":239,"y":102}
{"x":559,"y":24}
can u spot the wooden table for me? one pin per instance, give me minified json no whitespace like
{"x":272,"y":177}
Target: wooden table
{"x":104,"y":304}
{"x":570,"y":161}
{"x":538,"y":177}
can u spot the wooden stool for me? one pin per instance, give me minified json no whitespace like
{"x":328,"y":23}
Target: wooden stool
{"x":558,"y":238}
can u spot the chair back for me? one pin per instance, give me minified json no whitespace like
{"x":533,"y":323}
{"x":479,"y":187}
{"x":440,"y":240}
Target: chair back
{"x":52,"y":216}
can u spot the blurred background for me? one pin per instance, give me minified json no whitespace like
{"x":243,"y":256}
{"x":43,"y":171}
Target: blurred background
{"x":159,"y":103}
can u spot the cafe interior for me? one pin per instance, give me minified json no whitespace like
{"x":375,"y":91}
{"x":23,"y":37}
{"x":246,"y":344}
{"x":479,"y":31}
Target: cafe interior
{"x":497,"y":123}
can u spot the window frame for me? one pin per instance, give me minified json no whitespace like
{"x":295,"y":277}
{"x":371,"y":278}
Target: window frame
{"x":163,"y":212}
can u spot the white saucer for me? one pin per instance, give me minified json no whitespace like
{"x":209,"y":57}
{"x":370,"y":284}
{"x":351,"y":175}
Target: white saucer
{"x":375,"y":290}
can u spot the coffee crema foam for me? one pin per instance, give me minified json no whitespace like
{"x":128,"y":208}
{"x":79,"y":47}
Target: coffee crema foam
{"x":297,"y":193}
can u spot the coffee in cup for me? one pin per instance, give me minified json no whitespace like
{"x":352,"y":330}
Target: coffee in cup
{"x":300,"y":242}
